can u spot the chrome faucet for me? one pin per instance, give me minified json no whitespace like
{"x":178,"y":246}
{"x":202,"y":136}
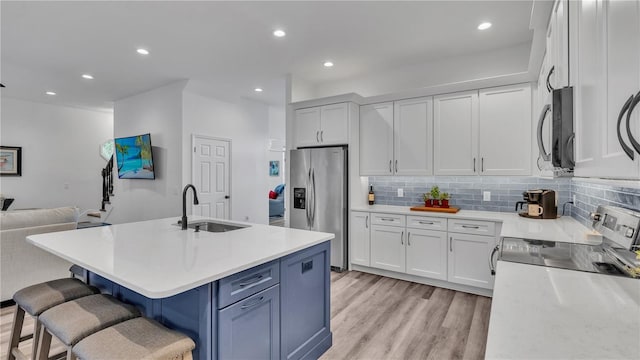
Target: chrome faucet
{"x":184,"y":204}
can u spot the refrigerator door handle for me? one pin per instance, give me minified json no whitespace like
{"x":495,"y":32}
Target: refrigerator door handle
{"x":313,"y":191}
{"x":307,"y":198}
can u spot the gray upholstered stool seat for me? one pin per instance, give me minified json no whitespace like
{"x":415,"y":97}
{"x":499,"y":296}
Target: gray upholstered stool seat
{"x":37,"y":298}
{"x":139,"y":338}
{"x":74,"y":320}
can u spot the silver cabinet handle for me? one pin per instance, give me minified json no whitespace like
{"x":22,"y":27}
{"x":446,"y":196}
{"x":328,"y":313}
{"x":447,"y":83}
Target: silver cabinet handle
{"x":482,"y":166}
{"x":632,"y":140}
{"x":402,"y":238}
{"x":426,"y":222}
{"x":451,"y":243}
{"x":474,"y":164}
{"x":386,"y":219}
{"x":396,"y":166}
{"x":321,"y":136}
{"x":390,"y":166}
{"x":251,"y":280}
{"x":471,"y":226}
{"x":243,"y":307}
{"x":409,"y":238}
{"x":317,"y":136}
{"x":366,"y":222}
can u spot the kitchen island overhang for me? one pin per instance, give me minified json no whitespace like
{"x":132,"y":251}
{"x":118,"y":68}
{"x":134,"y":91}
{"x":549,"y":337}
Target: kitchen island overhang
{"x":186,"y":280}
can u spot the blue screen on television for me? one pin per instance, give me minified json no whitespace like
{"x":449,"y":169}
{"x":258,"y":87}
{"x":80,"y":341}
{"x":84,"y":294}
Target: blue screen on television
{"x":134,"y":157}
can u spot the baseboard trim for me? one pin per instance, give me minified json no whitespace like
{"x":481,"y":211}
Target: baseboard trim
{"x":426,"y":281}
{"x":7,"y":303}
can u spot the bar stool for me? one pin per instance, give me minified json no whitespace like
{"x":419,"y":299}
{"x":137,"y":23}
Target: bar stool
{"x":139,"y":338}
{"x":37,"y":298}
{"x":74,"y":320}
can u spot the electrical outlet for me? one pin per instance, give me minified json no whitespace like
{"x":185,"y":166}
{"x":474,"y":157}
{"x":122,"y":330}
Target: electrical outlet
{"x":486,"y":196}
{"x":400,"y":192}
{"x":66,"y":186}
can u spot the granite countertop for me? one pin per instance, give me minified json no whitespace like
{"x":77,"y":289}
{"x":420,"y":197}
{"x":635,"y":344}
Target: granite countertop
{"x":157,"y":259}
{"x":548,"y":313}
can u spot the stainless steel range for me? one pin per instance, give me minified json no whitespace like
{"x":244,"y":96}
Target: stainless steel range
{"x":616,"y":255}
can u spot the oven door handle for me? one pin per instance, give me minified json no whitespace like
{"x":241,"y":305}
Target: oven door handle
{"x":493,"y":253}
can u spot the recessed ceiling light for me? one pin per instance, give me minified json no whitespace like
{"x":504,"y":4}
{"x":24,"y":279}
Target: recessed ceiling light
{"x":142,"y":51}
{"x":257,"y":89}
{"x":484,"y":26}
{"x":87,"y":76}
{"x":279,"y":33}
{"x":328,"y":64}
{"x":50,"y":93}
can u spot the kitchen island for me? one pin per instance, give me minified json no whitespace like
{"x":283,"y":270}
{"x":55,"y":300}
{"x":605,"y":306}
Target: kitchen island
{"x":258,"y":291}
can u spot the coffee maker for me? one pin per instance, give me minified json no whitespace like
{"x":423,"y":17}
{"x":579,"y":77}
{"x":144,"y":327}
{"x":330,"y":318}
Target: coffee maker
{"x":539,"y":204}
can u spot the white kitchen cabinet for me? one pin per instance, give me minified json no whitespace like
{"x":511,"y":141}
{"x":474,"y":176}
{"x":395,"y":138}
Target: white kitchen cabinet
{"x":505,"y":130}
{"x":455,"y":128}
{"x":413,"y":134}
{"x":557,"y":47}
{"x":468,"y":261}
{"x":359,"y":241}
{"x":376,"y":139}
{"x":388,"y":248}
{"x":606,"y":72}
{"x":427,"y":253}
{"x":322,"y":125}
{"x":396,"y":138}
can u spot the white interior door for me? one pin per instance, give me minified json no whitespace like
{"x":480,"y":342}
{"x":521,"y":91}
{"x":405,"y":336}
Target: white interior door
{"x":211,"y":176}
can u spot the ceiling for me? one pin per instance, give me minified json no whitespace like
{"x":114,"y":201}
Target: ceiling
{"x":229,"y":45}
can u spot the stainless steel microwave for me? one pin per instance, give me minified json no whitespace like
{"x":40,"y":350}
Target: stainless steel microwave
{"x":562,"y":133}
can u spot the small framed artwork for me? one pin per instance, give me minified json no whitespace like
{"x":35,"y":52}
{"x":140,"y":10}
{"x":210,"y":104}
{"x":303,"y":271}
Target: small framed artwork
{"x":274,"y":168}
{"x":10,"y":161}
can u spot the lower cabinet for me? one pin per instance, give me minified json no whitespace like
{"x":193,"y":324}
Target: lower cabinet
{"x":387,"y":248}
{"x":250,"y":328}
{"x":359,"y":240}
{"x":468,"y":260}
{"x":427,"y":253}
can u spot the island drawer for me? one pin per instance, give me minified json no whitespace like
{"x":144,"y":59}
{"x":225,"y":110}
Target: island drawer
{"x":427,"y":223}
{"x":472,"y":227}
{"x":387,"y":219}
{"x":246,"y":283}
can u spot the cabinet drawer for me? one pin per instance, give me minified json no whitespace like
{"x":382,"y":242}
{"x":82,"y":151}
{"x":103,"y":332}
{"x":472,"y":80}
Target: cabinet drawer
{"x":427,"y":223}
{"x":246,"y":283}
{"x":472,"y":227}
{"x":387,"y":219}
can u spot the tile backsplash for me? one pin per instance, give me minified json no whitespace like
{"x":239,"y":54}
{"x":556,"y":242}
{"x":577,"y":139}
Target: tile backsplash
{"x":467,"y":192}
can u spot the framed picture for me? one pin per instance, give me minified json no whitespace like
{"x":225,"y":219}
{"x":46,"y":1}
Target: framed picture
{"x":10,"y":161}
{"x":274,"y":168}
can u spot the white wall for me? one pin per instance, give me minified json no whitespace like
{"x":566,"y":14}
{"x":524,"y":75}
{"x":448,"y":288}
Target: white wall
{"x":158,"y":112}
{"x":61,"y":162}
{"x":444,"y":71}
{"x":246,"y":124}
{"x":277,"y":134}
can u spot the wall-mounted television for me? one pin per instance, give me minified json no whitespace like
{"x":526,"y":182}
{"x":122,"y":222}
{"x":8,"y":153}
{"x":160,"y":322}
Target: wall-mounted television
{"x":134,"y":157}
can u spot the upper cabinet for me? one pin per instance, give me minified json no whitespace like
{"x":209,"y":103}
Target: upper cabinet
{"x":605,"y":70}
{"x":395,"y":138}
{"x":322,"y":125}
{"x":557,"y":49}
{"x":483,"y":133}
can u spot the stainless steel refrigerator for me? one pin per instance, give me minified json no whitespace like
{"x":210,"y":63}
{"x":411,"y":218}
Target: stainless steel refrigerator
{"x":319,"y":194}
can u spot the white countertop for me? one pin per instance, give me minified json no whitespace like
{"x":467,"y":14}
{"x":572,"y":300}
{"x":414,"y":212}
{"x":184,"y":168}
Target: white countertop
{"x":563,"y":229}
{"x":158,"y":259}
{"x":547,"y":313}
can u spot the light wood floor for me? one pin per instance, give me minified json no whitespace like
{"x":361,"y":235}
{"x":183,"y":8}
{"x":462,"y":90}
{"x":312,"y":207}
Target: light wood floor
{"x":374,"y":317}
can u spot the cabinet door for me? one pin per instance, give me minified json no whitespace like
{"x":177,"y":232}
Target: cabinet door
{"x":413,"y":134}
{"x":455,"y":119}
{"x":505,"y":130}
{"x":590,"y":85}
{"x":469,"y":260}
{"x":334,"y":124}
{"x":387,"y":248}
{"x":623,"y":80}
{"x":250,"y":328}
{"x":307,"y":127}
{"x":427,"y":253}
{"x":558,"y":46}
{"x":359,"y":238}
{"x":376,"y":139}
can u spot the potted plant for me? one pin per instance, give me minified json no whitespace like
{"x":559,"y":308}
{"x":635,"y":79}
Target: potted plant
{"x":427,"y":199}
{"x":435,"y":195}
{"x":444,"y":200}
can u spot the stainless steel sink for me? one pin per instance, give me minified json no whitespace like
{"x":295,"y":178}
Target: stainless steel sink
{"x":215,"y":226}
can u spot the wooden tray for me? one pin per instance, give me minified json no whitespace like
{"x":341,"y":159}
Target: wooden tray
{"x":450,"y":210}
